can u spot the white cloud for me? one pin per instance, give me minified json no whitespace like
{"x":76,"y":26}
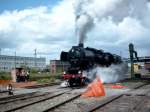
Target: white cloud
{"x":46,"y":29}
{"x":52,"y":30}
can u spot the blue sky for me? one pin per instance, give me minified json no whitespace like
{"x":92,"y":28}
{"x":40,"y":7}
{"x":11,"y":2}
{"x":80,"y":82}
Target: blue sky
{"x":23,"y":4}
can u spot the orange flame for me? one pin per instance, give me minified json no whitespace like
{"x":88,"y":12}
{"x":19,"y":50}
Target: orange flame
{"x":95,"y":89}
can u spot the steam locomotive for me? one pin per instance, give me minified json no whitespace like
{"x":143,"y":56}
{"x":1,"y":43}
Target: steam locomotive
{"x":81,"y":59}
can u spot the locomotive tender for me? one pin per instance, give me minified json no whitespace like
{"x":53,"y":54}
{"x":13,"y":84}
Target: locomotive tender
{"x":81,"y":58}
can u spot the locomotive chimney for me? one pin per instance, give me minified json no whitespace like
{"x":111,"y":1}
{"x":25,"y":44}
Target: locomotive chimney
{"x":81,"y":45}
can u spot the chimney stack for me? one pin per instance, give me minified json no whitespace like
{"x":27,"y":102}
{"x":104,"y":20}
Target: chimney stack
{"x":81,"y":45}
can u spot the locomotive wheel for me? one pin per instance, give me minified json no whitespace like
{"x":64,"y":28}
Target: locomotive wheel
{"x":71,"y":82}
{"x":75,"y":82}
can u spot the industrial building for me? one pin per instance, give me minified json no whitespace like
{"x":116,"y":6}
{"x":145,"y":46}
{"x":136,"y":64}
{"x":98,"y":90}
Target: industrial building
{"x":57,"y":66}
{"x":7,"y":63}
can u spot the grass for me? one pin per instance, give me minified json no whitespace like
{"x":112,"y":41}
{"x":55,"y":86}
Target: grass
{"x":41,"y":78}
{"x":45,"y":77}
{"x":5,"y":76}
{"x":43,"y":81}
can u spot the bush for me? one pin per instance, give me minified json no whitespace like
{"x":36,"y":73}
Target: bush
{"x":43,"y":81}
{"x":33,"y":70}
{"x":46,"y":80}
{"x":5,"y":76}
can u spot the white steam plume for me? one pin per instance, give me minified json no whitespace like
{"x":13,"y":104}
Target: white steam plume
{"x":111,"y":74}
{"x":88,"y":12}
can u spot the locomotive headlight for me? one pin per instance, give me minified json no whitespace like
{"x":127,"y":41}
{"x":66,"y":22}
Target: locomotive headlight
{"x":79,"y":72}
{"x":64,"y":72}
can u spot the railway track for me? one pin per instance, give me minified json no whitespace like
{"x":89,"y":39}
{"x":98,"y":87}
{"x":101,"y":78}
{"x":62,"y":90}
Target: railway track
{"x":15,"y":97}
{"x":75,"y":106}
{"x":50,"y":104}
{"x":22,"y":97}
{"x":67,"y":100}
{"x":127,"y":102}
{"x":3,"y":92}
{"x":19,"y":103}
{"x":41,"y":85}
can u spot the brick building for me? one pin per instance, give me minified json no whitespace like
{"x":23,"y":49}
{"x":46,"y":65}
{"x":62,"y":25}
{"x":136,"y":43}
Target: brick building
{"x":57,"y":66}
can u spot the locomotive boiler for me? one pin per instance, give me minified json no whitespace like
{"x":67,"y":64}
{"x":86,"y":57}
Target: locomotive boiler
{"x":81,"y":59}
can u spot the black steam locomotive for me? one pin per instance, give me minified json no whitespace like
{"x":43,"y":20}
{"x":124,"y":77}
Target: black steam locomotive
{"x":81,"y":58}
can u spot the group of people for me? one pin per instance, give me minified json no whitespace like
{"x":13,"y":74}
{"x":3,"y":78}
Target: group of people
{"x":22,"y":75}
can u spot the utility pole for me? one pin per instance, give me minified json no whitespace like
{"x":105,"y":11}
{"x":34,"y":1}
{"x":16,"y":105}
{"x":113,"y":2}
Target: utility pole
{"x":0,"y":51}
{"x":15,"y":60}
{"x":35,"y":56}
